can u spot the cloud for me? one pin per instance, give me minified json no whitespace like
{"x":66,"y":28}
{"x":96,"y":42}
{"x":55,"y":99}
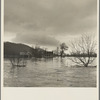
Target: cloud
{"x":49,"y":18}
{"x":36,"y":38}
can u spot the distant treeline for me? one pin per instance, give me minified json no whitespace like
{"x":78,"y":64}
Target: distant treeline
{"x":22,"y":50}
{"x":82,"y":55}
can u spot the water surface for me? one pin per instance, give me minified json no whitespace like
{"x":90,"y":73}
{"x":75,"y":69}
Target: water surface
{"x":51,"y":72}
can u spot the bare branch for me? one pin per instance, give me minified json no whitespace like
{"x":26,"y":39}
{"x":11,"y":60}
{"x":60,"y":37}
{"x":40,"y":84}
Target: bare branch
{"x":83,"y":48}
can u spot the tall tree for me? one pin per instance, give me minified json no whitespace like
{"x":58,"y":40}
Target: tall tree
{"x":63,"y":47}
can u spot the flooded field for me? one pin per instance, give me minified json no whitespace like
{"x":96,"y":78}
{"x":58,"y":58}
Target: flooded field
{"x":51,"y":72}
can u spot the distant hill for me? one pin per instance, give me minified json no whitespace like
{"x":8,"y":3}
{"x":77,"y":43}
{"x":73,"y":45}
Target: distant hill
{"x":15,"y":49}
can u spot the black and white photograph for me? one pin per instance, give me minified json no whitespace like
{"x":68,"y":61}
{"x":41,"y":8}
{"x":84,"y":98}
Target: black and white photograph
{"x":50,"y":43}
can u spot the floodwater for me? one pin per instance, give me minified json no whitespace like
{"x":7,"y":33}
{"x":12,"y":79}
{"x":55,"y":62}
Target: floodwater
{"x":51,"y":72}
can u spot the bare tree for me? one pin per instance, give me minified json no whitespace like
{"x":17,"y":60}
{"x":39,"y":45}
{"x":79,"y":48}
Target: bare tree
{"x":17,"y":61}
{"x":83,"y":50}
{"x":63,"y":47}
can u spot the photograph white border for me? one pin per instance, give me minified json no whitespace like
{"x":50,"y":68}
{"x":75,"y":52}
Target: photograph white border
{"x":31,"y":93}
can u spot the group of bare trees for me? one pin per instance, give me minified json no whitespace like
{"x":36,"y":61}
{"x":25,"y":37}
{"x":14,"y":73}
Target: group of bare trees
{"x":17,"y":61}
{"x":82,"y":50}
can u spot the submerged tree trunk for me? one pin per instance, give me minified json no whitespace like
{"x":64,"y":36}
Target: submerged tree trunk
{"x":86,"y":65}
{"x":62,"y":52}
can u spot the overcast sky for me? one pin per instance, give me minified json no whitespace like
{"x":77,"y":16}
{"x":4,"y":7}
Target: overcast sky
{"x":48,"y":22}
